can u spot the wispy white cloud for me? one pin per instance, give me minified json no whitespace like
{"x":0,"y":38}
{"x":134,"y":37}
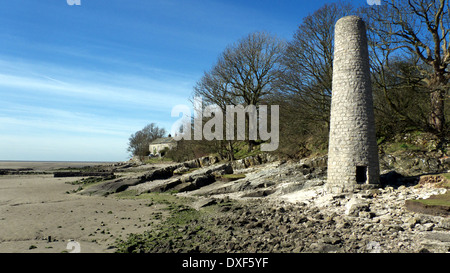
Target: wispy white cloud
{"x":116,"y":89}
{"x":65,"y":105}
{"x":80,"y":81}
{"x":52,"y":122}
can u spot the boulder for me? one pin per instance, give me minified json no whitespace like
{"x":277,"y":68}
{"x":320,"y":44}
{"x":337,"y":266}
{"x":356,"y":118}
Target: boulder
{"x":190,"y":183}
{"x":114,"y":186}
{"x":436,"y":242}
{"x":355,"y":206}
{"x":204,"y":202}
{"x":159,"y":185}
{"x":203,"y":180}
{"x":186,"y":186}
{"x":238,"y":164}
{"x":121,"y":184}
{"x":315,"y":162}
{"x":205,"y":161}
{"x":181,"y":170}
{"x":192,"y":163}
{"x":413,"y":163}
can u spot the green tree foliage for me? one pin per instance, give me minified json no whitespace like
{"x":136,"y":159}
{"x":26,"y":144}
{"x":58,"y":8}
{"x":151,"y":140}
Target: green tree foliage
{"x":138,"y":144}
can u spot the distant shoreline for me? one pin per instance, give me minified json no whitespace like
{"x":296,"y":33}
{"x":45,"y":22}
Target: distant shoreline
{"x":49,"y":165}
{"x":59,"y":161}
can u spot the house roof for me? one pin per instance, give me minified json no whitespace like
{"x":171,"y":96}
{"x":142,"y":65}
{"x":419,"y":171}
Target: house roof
{"x":163,"y":140}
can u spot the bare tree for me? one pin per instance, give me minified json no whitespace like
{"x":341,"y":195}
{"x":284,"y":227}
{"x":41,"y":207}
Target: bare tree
{"x":139,"y":142}
{"x":308,"y":61}
{"x":401,"y":102}
{"x":304,"y":84}
{"x":420,"y":28}
{"x":243,"y":75}
{"x":244,"y":72}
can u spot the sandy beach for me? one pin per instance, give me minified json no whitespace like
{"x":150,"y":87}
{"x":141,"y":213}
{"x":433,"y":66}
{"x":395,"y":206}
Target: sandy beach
{"x":38,"y":213}
{"x":276,"y":207}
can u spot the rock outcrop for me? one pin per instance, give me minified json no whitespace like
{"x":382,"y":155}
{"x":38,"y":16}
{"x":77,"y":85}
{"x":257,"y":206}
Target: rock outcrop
{"x":282,"y":206}
{"x":414,"y":163}
{"x":361,"y":222}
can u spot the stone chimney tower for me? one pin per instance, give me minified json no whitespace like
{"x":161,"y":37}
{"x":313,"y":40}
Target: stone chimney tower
{"x":352,"y":151}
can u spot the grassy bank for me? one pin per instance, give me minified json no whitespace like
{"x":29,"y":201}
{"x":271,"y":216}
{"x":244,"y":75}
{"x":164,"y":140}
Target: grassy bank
{"x":185,"y":229}
{"x":440,"y":202}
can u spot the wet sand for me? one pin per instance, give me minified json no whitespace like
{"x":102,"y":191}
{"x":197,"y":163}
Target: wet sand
{"x":38,"y":213}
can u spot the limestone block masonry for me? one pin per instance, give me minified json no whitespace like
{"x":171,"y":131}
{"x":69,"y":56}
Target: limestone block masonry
{"x":352,"y":153}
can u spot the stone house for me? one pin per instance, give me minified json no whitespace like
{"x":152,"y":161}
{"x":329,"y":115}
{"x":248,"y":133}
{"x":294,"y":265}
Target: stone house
{"x":159,"y":144}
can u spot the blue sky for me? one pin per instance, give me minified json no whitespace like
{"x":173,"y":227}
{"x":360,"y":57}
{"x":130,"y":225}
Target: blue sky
{"x":77,"y":81}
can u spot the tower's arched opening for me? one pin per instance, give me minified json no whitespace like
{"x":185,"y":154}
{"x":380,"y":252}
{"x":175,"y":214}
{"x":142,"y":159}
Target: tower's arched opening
{"x":361,"y":174}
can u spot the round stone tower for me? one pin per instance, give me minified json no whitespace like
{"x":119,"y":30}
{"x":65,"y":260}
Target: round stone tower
{"x":352,"y":151}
